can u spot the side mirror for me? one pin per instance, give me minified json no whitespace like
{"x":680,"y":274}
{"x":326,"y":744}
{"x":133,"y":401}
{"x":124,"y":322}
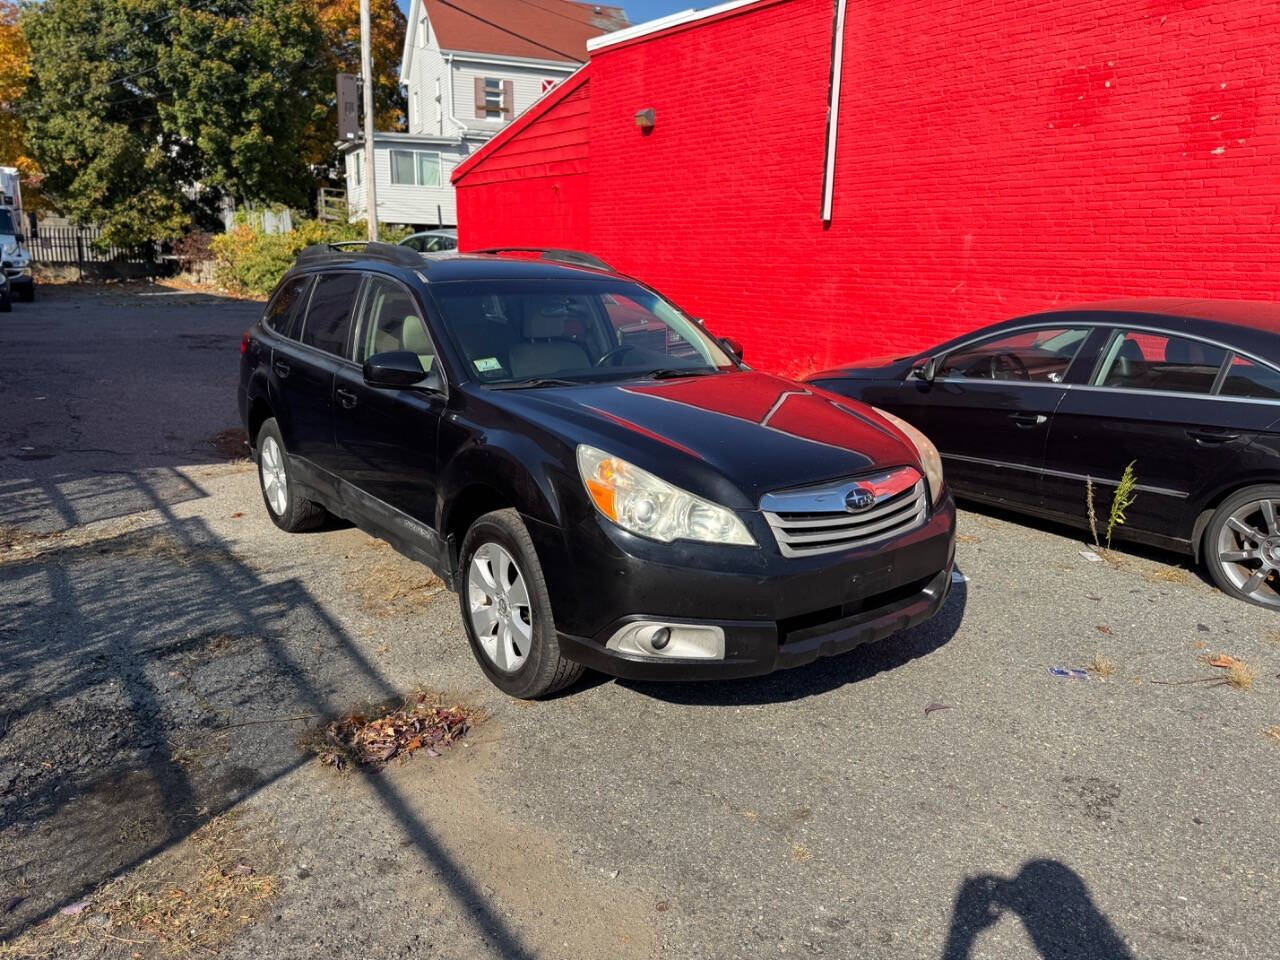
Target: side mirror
{"x":400,"y":368}
{"x":927,"y":370}
{"x":733,"y":346}
{"x":19,"y":238}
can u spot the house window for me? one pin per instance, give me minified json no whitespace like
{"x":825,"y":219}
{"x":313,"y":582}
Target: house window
{"x":495,"y":98}
{"x":356,"y":168}
{"x":415,"y":110}
{"x":415,"y":168}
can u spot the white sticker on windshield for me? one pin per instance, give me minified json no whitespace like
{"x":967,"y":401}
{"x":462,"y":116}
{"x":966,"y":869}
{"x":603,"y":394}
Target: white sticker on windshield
{"x":487,"y":364}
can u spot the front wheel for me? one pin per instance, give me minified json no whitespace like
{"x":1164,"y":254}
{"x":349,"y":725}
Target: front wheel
{"x":1242,"y":545}
{"x":506,"y":609}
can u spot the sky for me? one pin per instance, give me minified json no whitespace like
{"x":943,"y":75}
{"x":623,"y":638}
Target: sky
{"x":638,"y":11}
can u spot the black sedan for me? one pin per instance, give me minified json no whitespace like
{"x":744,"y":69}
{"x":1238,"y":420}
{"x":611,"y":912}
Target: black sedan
{"x":1027,"y":412}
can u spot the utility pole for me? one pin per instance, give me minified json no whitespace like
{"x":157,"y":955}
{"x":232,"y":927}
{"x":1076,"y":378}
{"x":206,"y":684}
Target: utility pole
{"x":366,"y":72}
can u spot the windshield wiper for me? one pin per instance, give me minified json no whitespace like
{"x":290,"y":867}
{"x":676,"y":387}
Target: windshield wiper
{"x":533,"y":382}
{"x":668,"y":373}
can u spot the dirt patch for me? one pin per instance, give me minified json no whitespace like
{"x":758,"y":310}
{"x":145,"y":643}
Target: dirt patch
{"x":186,"y":901}
{"x":385,"y":583}
{"x":231,"y":444}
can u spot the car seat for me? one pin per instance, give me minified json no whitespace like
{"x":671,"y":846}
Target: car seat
{"x":547,"y":350}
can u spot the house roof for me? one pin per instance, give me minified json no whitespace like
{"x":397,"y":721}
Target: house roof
{"x":555,"y":30}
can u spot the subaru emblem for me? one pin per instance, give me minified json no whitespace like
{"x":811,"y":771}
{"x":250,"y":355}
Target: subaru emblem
{"x":859,"y":499}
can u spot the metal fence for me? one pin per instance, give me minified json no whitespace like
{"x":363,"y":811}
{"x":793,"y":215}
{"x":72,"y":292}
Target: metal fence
{"x":82,"y":248}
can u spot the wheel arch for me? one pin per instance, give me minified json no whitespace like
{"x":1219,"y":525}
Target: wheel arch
{"x":1211,"y":501}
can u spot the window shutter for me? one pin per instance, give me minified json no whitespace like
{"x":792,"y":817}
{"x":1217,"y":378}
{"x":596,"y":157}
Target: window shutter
{"x":479,"y":96}
{"x":508,"y":99}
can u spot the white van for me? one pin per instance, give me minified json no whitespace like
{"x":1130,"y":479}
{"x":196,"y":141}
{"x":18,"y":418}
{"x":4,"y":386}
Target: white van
{"x":16,"y":259}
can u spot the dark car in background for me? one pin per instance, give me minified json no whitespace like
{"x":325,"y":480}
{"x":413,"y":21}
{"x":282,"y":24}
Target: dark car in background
{"x":1028,"y":413}
{"x":600,"y":479}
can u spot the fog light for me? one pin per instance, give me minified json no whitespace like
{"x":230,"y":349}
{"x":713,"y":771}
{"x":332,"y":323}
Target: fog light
{"x":660,"y":641}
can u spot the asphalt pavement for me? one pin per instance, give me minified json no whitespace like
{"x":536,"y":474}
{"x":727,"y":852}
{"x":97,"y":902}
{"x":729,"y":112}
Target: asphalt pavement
{"x":937,"y":795}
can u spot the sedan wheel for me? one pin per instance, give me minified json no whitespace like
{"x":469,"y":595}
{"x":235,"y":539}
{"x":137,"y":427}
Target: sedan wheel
{"x":1244,"y":546}
{"x":501,"y":615}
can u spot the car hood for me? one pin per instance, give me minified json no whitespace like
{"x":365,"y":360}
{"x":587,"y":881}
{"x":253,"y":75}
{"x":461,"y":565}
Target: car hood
{"x":731,"y":437}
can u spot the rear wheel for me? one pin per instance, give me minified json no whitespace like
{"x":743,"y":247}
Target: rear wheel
{"x":288,"y":509}
{"x":1242,"y":545}
{"x":506,"y":609}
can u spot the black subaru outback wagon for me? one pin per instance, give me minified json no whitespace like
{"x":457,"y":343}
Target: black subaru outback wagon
{"x":599,"y":478}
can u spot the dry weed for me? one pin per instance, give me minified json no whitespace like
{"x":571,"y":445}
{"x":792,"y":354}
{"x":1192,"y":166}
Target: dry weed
{"x":1101,"y":667}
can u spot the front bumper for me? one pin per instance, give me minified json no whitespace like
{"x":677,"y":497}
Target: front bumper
{"x":775,"y":612}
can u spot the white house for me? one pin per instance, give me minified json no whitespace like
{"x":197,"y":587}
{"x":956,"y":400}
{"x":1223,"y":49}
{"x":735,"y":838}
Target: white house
{"x":469,"y":67}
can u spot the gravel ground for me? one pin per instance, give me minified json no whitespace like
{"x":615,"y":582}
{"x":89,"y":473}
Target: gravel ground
{"x":156,"y":632}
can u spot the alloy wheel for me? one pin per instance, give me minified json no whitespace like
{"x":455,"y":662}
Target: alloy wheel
{"x":274,"y":482}
{"x":1249,"y":550}
{"x":499,"y":603}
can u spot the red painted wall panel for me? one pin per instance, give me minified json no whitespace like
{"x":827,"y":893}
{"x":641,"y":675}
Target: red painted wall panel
{"x":995,"y":157}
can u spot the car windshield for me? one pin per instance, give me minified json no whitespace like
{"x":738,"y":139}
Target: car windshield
{"x":533,"y":332}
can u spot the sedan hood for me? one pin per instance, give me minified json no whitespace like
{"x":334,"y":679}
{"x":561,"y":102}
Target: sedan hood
{"x":869,"y":368}
{"x":732,"y":437}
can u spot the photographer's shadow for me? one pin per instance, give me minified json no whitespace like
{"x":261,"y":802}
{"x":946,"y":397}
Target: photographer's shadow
{"x":1054,"y":905}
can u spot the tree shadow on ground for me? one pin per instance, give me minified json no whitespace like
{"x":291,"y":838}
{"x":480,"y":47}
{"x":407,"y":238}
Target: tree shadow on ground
{"x":1054,"y":905}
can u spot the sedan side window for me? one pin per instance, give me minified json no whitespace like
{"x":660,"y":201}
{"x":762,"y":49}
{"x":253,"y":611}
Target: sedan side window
{"x":1036,"y":356}
{"x":1136,"y":360}
{"x":1248,"y":379}
{"x":328,"y":323}
{"x":390,"y":320}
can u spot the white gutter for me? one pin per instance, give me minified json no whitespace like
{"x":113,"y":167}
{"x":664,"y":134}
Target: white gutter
{"x":833,"y":113}
{"x":497,"y":59}
{"x":463,"y":128}
{"x":664,"y":23}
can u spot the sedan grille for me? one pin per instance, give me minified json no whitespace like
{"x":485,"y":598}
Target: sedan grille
{"x":814,"y":520}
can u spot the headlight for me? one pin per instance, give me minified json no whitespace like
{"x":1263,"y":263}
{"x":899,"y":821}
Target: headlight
{"x":638,"y":501}
{"x":929,"y":458}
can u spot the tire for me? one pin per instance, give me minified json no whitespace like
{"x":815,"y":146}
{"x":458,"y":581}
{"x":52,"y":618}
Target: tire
{"x":1241,"y":545}
{"x":515,"y":640}
{"x":287,"y":508}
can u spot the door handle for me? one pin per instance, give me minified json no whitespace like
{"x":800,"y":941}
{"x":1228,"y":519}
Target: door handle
{"x":1211,"y":437}
{"x":281,"y":368}
{"x":1028,"y":420}
{"x":346,"y":398}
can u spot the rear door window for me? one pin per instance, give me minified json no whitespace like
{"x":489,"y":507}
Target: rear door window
{"x":1036,"y":356}
{"x":280,"y":311}
{"x":1244,"y":378}
{"x":1138,"y":360}
{"x":328,"y":324}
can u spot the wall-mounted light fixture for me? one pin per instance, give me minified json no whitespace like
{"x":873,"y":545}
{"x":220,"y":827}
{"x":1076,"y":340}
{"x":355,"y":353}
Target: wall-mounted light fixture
{"x":644,"y":119}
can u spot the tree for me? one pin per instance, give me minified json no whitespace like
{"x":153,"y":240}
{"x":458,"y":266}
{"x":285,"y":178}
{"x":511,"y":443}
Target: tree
{"x":145,"y":112}
{"x":340,"y":22}
{"x":15,"y":68}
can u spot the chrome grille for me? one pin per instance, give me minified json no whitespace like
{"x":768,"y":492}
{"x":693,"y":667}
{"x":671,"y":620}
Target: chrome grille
{"x":813,"y":520}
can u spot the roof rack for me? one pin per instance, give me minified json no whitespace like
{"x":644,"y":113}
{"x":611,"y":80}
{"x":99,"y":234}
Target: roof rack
{"x":574,"y":257}
{"x":347,"y":249}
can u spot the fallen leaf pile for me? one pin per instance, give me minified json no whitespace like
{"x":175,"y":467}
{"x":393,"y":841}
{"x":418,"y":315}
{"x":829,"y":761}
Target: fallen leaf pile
{"x":367,"y":741}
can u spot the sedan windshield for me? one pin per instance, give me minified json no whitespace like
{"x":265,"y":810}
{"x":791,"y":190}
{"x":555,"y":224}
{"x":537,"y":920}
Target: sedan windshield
{"x":542,"y":332}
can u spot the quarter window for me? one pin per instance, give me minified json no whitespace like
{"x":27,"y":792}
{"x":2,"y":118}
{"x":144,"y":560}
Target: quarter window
{"x":415,"y":168}
{"x":390,"y":320}
{"x":1036,"y":356}
{"x":1136,"y":360}
{"x":280,"y":310}
{"x":1244,"y":378}
{"x":328,"y":322}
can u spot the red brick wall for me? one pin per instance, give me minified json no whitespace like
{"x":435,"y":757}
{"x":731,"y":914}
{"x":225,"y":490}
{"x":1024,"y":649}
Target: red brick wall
{"x":994,"y":158}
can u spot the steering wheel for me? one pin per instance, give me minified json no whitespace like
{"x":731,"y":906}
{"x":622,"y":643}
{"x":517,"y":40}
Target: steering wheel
{"x":1009,"y":362}
{"x":610,"y":354}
